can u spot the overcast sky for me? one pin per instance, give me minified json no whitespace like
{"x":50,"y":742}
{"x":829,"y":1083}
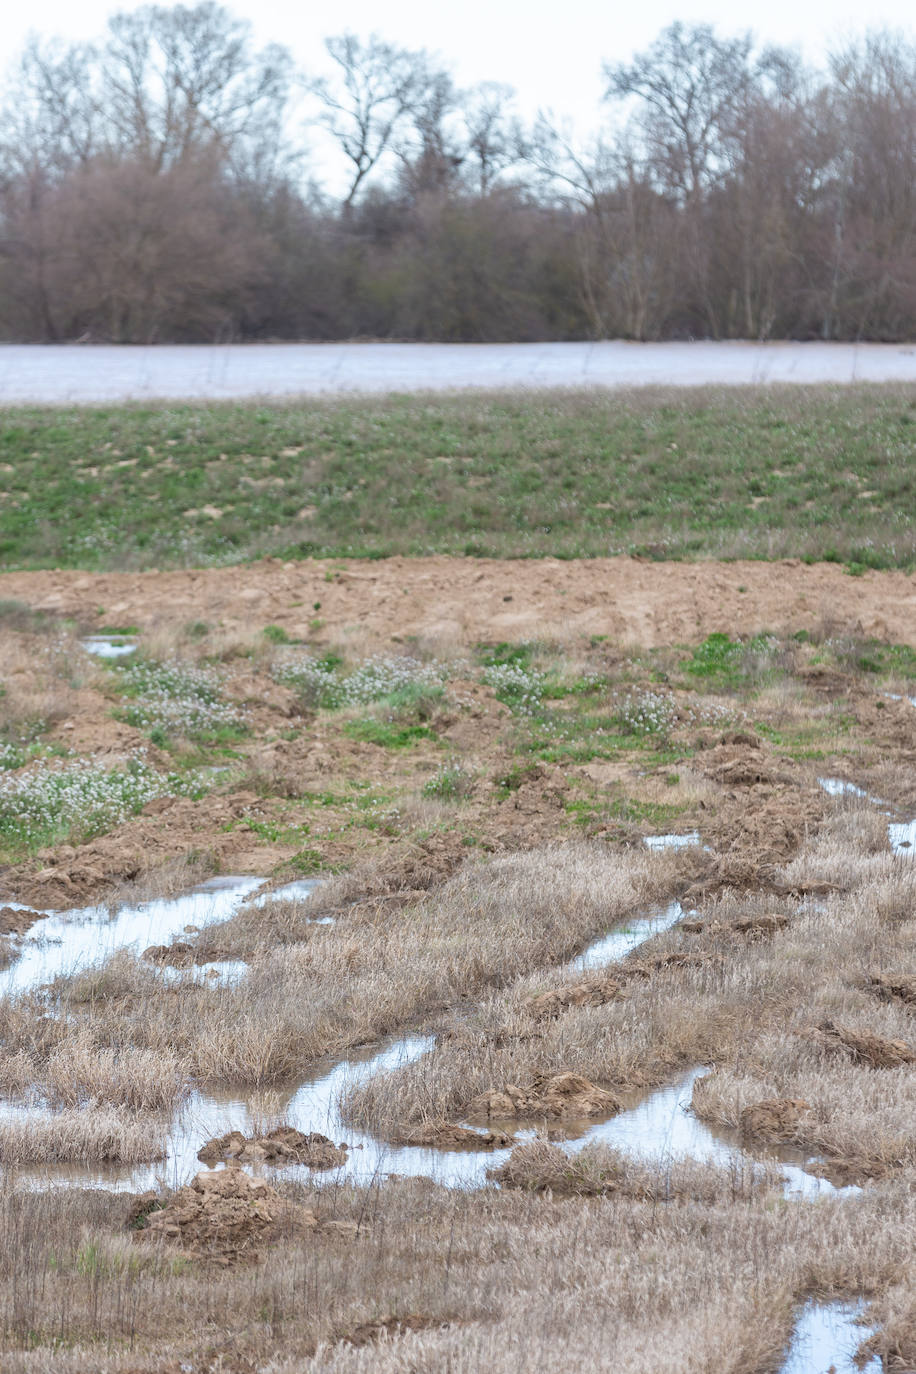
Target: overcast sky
{"x":550,"y":52}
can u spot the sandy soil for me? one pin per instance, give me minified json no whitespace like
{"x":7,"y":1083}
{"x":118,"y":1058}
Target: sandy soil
{"x":471,"y":600}
{"x":62,"y":374}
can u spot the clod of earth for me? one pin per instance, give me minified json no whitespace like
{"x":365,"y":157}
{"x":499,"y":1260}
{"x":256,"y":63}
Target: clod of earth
{"x":603,"y":988}
{"x":566,"y":1095}
{"x":752,"y":926}
{"x":774,"y":1121}
{"x":741,"y":767}
{"x":893,"y":987}
{"x":445,"y":1136}
{"x":284,"y":1145}
{"x":369,"y":1332}
{"x":16,"y":922}
{"x":227,"y":1215}
{"x":864,"y":1047}
{"x":178,"y":955}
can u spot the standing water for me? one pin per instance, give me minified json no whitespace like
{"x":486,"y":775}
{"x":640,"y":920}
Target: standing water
{"x":826,"y":1338}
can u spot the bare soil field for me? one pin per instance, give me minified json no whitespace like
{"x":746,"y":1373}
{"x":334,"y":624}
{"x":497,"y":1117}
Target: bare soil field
{"x":464,"y":601}
{"x":427,"y":964}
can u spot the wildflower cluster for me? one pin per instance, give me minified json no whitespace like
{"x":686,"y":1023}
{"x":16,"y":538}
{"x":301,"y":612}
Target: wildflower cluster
{"x":646,"y":713}
{"x":80,"y":797}
{"x":521,"y":688}
{"x":11,"y":755}
{"x":450,"y":782}
{"x":377,"y":678}
{"x":177,"y":699}
{"x":704,"y":712}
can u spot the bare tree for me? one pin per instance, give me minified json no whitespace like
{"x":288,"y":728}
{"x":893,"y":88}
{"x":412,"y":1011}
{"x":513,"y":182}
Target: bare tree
{"x":492,"y":133}
{"x":178,"y":80}
{"x":51,"y":116}
{"x":689,"y":83}
{"x":365,"y":104}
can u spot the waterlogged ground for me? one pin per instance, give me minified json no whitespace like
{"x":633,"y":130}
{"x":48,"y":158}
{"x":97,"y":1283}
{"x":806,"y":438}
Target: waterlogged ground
{"x":563,"y":1003}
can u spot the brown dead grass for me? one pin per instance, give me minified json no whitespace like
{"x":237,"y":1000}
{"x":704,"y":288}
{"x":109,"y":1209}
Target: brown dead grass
{"x":373,"y":972}
{"x":87,"y":1136}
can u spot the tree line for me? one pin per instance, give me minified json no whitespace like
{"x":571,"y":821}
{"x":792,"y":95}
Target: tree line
{"x":158,"y":186}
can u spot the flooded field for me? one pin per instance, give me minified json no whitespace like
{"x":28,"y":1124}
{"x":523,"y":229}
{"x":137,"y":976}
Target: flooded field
{"x":453,"y":1001}
{"x":57,"y":375}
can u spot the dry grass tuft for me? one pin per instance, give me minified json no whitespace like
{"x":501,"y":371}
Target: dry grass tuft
{"x":90,"y":1136}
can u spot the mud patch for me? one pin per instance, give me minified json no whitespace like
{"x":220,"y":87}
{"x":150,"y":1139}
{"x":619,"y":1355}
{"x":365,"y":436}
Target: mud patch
{"x":282,"y":1146}
{"x":16,"y":920}
{"x":608,"y":987}
{"x":229,"y":1216}
{"x":775,"y":1120}
{"x":863,"y":1047}
{"x":740,"y":761}
{"x":368,"y":1333}
{"x":446,"y":1136}
{"x":554,"y":1097}
{"x":893,"y":987}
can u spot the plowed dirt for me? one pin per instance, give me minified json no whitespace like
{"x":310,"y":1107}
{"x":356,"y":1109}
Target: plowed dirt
{"x":464,"y":600}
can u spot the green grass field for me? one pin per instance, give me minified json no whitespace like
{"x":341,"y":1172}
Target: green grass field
{"x":819,"y":473}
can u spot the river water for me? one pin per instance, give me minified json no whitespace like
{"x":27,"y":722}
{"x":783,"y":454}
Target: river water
{"x":58,"y":374}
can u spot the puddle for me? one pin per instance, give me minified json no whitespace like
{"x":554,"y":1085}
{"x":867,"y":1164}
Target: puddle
{"x":901,"y":834}
{"x":903,"y":837}
{"x":108,"y":646}
{"x":617,"y":944}
{"x":826,"y":1338}
{"x":68,"y":942}
{"x":292,"y":892}
{"x":837,"y":787}
{"x":219,"y":972}
{"x":662,"y":1127}
{"x":657,"y":842}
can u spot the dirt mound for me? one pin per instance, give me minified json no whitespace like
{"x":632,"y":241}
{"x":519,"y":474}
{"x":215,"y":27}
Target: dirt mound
{"x":864,"y":1047}
{"x":739,"y":760}
{"x":764,"y":925}
{"x":608,"y":987}
{"x":893,"y":987}
{"x":425,"y":865}
{"x":445,"y":1136}
{"x":539,"y":1167}
{"x":367,"y":1333}
{"x":227,"y":1215}
{"x":561,"y":1095}
{"x":15,"y":922}
{"x":750,"y":927}
{"x":774,"y":1121}
{"x":178,"y":955}
{"x":712,"y":873}
{"x":284,"y":1145}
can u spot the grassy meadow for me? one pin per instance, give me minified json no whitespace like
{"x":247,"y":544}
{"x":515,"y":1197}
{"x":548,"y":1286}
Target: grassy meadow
{"x":816,"y":473}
